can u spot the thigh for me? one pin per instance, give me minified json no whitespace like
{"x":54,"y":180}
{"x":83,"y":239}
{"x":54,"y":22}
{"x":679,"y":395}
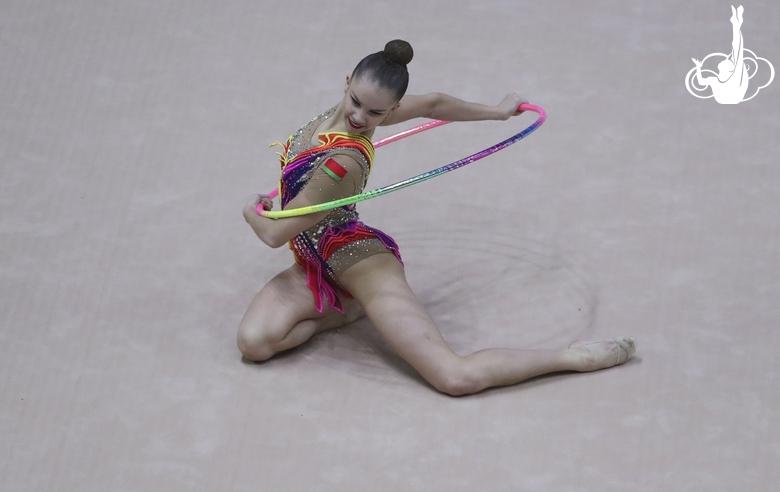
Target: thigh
{"x":283,"y":302}
{"x":380,"y":285}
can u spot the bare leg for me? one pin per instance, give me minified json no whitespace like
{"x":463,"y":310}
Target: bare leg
{"x":379,"y":284}
{"x":737,"y":47}
{"x":736,"y":37}
{"x":282,"y":316}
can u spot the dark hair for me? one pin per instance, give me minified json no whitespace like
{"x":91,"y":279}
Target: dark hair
{"x":388,"y":67}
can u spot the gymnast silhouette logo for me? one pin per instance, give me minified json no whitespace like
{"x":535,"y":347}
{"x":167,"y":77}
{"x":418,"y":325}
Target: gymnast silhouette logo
{"x":735,"y":70}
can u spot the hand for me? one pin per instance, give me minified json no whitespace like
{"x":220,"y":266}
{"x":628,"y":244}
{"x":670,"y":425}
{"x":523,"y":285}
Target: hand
{"x":697,"y":62}
{"x":250,"y":209}
{"x":268,"y":204}
{"x":510,"y":106}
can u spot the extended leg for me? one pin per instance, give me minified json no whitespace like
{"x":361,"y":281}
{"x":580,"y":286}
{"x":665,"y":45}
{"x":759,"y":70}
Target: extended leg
{"x":282,"y":316}
{"x":736,"y":36}
{"x":379,"y":284}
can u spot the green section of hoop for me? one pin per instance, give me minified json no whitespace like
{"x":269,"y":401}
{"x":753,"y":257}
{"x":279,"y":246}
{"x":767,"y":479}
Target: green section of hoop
{"x":414,"y":180}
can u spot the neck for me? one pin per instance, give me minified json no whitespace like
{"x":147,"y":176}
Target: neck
{"x":337,"y":123}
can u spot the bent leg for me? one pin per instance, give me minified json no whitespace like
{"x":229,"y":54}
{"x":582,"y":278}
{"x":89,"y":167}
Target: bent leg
{"x":379,"y":284}
{"x":282,"y":316}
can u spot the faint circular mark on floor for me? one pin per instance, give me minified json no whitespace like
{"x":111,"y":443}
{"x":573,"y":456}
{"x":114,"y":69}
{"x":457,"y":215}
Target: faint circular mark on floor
{"x":486,"y":290}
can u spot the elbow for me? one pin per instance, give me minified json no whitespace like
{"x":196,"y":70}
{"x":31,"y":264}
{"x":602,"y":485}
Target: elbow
{"x":276,"y":237}
{"x":270,"y":239}
{"x":266,"y":234}
{"x":274,"y":242}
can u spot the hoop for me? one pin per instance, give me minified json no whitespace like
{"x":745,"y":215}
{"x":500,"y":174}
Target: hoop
{"x":413,"y":180}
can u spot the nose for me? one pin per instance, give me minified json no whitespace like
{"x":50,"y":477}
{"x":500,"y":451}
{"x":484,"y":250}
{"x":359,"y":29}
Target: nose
{"x":359,"y":117}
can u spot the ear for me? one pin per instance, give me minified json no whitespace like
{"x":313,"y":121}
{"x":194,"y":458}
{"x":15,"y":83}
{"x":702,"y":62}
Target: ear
{"x":346,"y":85}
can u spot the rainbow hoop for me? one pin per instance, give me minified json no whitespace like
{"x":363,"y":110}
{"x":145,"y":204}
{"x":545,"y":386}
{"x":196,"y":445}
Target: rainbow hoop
{"x":410,"y":181}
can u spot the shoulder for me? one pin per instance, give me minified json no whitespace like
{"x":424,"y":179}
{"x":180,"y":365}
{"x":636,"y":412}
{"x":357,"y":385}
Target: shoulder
{"x":336,"y":175}
{"x":355,"y":146}
{"x":343,"y":163}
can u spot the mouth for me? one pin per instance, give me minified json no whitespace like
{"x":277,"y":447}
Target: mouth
{"x":353,"y":125}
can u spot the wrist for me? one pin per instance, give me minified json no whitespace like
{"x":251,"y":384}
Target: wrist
{"x":500,"y":113}
{"x":249,"y":212}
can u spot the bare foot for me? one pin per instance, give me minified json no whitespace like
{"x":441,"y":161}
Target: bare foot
{"x":603,"y":353}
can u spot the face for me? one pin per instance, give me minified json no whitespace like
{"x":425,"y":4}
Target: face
{"x":366,"y":104}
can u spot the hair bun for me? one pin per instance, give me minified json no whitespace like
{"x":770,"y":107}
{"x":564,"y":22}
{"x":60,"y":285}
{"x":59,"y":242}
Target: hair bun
{"x":399,"y":51}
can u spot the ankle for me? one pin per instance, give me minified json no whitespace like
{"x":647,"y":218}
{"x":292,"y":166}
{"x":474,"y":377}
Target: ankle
{"x":579,"y":359}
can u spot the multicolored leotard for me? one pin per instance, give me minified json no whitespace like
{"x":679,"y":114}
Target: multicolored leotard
{"x":340,"y":240}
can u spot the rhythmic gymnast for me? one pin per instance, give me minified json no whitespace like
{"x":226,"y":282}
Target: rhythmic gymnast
{"x":345,"y":270}
{"x":731,"y":84}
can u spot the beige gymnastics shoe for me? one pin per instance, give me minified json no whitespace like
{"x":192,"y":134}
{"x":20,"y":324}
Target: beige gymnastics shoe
{"x":626,"y":345}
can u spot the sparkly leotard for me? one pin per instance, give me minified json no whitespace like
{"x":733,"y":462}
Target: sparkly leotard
{"x":340,"y":240}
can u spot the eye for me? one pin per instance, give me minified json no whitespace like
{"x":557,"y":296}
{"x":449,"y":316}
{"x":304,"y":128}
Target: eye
{"x":355,"y":102}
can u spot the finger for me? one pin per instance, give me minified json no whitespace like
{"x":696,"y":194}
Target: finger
{"x":254,"y":201}
{"x":262,"y":204}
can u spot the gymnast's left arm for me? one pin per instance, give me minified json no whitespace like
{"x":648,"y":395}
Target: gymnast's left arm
{"x":440,"y":106}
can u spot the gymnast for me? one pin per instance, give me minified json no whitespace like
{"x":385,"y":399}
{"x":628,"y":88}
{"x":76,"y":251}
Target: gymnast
{"x":345,"y":270}
{"x":731,"y":84}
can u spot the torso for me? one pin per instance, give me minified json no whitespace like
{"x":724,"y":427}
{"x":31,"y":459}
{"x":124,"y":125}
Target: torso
{"x":339,"y":240}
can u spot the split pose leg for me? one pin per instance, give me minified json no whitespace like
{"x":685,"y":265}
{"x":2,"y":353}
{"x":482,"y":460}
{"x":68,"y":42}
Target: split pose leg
{"x":380,"y":285}
{"x":737,"y":55}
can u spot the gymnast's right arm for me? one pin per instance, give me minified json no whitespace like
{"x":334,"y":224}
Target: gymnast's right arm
{"x":276,"y":233}
{"x":320,"y":189}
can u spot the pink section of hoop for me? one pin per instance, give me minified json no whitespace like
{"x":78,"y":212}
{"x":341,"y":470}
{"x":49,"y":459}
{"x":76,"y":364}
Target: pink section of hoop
{"x":401,"y":135}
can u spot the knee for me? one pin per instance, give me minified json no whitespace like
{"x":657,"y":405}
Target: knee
{"x":457,"y":382}
{"x":254,"y":345}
